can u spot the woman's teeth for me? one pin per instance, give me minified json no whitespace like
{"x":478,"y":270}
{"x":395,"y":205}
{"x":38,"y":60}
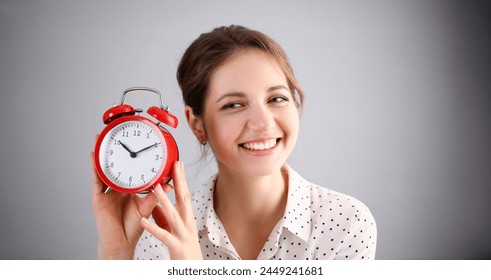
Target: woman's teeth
{"x":258,"y":146}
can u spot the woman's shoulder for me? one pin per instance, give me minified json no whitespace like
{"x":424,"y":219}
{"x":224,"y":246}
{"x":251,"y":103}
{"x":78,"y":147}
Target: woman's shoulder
{"x":326,"y":201}
{"x":340,"y":225}
{"x":323,"y":197}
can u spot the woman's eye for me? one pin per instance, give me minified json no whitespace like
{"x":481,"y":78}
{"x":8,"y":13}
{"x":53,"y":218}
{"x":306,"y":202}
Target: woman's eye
{"x":231,"y":106}
{"x":279,"y":99}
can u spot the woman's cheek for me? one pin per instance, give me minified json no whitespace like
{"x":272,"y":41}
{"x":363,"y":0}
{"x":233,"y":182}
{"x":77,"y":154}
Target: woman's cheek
{"x":223,"y":131}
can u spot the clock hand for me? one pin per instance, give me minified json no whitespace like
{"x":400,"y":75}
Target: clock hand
{"x":132,"y":154}
{"x":146,"y":148}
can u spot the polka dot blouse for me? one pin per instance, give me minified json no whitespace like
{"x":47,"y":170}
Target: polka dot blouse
{"x":318,"y":224}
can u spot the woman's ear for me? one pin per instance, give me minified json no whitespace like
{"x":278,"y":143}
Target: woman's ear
{"x":196,"y":125}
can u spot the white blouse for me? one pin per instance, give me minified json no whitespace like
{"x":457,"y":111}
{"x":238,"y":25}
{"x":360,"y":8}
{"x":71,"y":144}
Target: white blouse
{"x":318,"y":224}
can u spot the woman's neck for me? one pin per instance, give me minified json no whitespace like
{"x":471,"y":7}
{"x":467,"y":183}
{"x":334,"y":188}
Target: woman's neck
{"x":249,"y":199}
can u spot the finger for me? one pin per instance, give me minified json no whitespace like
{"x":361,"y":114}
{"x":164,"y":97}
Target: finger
{"x":167,"y":188}
{"x":158,"y":216}
{"x":157,"y":212}
{"x":183,"y":197}
{"x":147,"y":204}
{"x":169,"y":212}
{"x":158,"y":232}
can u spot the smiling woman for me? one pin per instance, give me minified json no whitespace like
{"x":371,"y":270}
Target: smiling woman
{"x":243,"y":101}
{"x":257,"y":112}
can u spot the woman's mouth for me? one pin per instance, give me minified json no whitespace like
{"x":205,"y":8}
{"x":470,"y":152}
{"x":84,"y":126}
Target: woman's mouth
{"x":260,"y":145}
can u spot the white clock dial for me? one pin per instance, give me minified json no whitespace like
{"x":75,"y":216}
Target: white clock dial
{"x":132,"y":154}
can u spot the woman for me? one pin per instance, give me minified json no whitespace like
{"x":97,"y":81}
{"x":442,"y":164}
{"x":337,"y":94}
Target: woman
{"x":243,"y":101}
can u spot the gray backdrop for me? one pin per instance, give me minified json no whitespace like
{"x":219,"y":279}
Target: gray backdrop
{"x":396,"y":114}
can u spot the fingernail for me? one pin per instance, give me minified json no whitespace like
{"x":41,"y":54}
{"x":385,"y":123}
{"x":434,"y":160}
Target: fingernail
{"x":145,"y":221}
{"x":154,"y":188}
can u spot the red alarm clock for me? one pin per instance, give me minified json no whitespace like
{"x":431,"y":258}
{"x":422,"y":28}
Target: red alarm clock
{"x":134,"y":153}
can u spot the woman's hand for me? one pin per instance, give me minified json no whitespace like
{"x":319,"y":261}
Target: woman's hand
{"x":176,"y":227}
{"x":118,"y":217}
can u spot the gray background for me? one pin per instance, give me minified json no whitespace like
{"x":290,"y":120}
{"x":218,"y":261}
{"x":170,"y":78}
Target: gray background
{"x":397,"y":110}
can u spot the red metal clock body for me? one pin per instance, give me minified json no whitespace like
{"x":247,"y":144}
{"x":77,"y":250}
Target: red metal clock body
{"x":134,"y":153}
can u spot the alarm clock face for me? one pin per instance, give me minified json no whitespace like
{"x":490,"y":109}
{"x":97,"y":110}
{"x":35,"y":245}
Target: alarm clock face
{"x":132,"y":154}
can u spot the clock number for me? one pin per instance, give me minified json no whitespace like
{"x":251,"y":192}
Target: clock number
{"x":111,"y":152}
{"x":142,"y":177}
{"x":130,"y":179}
{"x":126,"y":134}
{"x":112,"y":164}
{"x":153,"y":170}
{"x":157,"y":157}
{"x":148,"y":135}
{"x":119,"y":173}
{"x":136,"y":133}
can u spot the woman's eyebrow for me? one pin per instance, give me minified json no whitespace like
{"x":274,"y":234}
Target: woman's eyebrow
{"x":241,"y":94}
{"x":231,"y":94}
{"x":273,"y":88}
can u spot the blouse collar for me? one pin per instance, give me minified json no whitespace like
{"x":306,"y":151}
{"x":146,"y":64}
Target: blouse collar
{"x":296,"y":215}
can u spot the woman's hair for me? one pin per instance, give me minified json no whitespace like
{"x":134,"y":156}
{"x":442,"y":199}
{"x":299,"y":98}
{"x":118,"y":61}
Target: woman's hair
{"x":211,"y":50}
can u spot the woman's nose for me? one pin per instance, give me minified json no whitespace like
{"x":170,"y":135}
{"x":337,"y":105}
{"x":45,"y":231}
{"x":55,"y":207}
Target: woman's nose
{"x":260,"y":118}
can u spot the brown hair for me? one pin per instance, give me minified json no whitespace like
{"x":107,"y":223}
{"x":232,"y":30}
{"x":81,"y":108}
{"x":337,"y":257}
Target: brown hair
{"x":210,"y":50}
